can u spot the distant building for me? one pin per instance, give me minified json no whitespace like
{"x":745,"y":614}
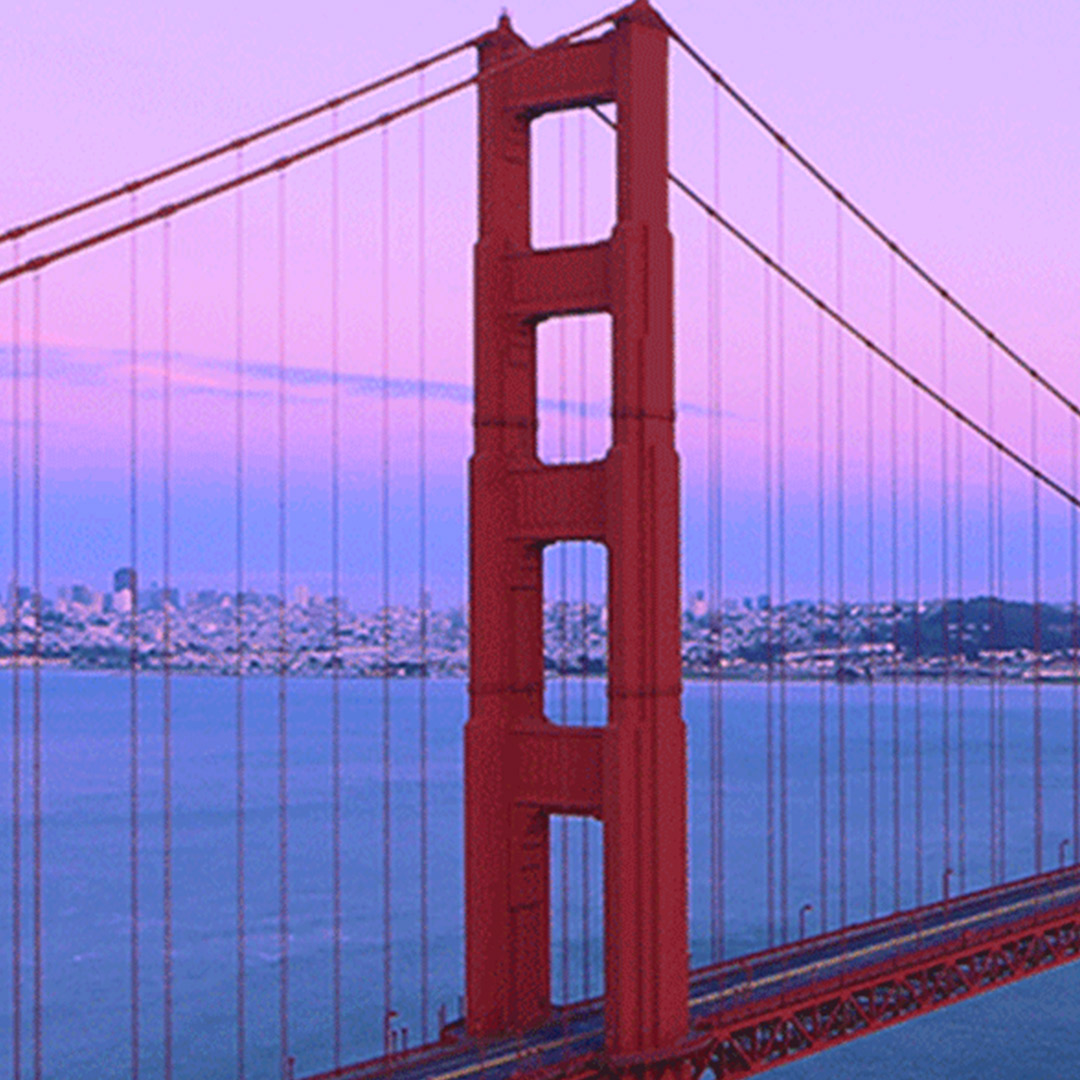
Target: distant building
{"x":698,"y":607}
{"x":124,"y":579}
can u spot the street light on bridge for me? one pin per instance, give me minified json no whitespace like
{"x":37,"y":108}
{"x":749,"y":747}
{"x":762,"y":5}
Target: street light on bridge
{"x":803,"y":912}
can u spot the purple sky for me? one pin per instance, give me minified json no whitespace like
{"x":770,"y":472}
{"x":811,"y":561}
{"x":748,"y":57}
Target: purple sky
{"x":952,"y":125}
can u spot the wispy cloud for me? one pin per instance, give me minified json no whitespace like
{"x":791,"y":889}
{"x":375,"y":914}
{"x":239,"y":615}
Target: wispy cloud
{"x":215,"y":377}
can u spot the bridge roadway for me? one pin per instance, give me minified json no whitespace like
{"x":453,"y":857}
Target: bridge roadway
{"x":745,"y":981}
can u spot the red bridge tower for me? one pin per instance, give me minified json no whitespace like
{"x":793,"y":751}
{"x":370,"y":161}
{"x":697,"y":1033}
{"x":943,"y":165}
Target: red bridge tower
{"x":519,"y":767}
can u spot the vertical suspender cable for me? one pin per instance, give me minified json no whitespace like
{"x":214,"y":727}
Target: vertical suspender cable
{"x":1002,"y":744}
{"x":715,"y":561}
{"x":166,"y":645}
{"x":840,"y":602}
{"x":917,"y":631}
{"x":564,"y":639}
{"x":770,"y":720}
{"x":283,"y":653}
{"x":1036,"y":587}
{"x":335,"y":591}
{"x":586,"y":898}
{"x":133,"y":649}
{"x":386,"y":837}
{"x":991,"y":557}
{"x":946,"y":763}
{"x":1075,"y":643}
{"x":894,"y":521}
{"x":823,"y":735}
{"x":961,"y":750}
{"x":238,"y":612}
{"x":39,"y":959}
{"x":421,"y":327}
{"x":781,"y":525}
{"x":871,"y":704}
{"x":16,"y":694}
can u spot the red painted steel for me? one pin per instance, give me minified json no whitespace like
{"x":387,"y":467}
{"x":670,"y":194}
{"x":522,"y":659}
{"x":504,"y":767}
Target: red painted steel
{"x":755,"y":1038}
{"x":519,"y":767}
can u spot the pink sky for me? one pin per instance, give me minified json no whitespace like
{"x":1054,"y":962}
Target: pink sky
{"x":952,"y":125}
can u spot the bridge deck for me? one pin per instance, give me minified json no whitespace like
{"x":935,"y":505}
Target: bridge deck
{"x":759,"y":1010}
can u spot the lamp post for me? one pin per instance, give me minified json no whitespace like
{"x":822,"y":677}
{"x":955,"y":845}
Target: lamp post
{"x":945,"y":885}
{"x":803,"y":912}
{"x":1061,"y":851}
{"x":389,"y":1035}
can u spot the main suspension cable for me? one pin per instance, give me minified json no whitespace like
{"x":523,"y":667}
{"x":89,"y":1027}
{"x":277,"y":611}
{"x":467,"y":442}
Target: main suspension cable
{"x":295,"y":157}
{"x":918,"y":384}
{"x":864,"y":219}
{"x":237,"y":144}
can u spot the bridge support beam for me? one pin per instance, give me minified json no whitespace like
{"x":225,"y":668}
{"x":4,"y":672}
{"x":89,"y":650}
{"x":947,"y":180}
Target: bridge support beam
{"x":520,"y":768}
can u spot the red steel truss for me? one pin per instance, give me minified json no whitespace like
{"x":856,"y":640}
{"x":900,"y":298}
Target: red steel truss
{"x":748,"y":1040}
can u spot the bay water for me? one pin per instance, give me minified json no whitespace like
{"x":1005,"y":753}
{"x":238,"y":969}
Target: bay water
{"x":1016,"y":1033}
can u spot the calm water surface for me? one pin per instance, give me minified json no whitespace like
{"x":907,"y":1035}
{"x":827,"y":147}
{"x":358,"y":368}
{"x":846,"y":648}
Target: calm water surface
{"x":1022,"y":1032}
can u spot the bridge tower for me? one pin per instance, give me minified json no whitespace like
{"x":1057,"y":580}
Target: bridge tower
{"x":519,"y":767}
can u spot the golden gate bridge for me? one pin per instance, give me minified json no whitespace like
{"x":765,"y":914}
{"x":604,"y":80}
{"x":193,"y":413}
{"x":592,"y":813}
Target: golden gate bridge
{"x":850,"y":430}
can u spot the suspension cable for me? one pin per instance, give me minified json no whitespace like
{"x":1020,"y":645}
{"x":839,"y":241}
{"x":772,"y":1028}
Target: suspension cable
{"x":946,"y":735}
{"x":864,"y":219}
{"x":38,"y":1019}
{"x":241,"y":764}
{"x":715,"y":561}
{"x":894,"y":522}
{"x":312,"y":150}
{"x":238,"y":143}
{"x":770,"y":644}
{"x":133,"y":651}
{"x":871,"y":715}
{"x":1074,"y":560}
{"x":16,"y":691}
{"x":425,"y":601}
{"x":166,"y":653}
{"x":919,"y":385}
{"x":1036,"y":588}
{"x":992,"y":614}
{"x":335,"y":600}
{"x":781,"y":526}
{"x":387,"y":885}
{"x":840,"y":600}
{"x":916,"y":555}
{"x":961,"y":734}
{"x":823,"y":751}
{"x":282,"y":645}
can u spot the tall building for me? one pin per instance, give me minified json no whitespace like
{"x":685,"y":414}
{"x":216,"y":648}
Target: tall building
{"x":124,"y":578}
